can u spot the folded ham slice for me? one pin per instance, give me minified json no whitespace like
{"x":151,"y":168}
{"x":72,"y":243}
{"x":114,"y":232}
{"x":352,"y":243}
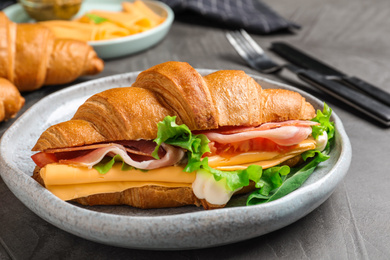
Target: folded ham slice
{"x":172,"y":156}
{"x":286,"y":135}
{"x":90,"y":155}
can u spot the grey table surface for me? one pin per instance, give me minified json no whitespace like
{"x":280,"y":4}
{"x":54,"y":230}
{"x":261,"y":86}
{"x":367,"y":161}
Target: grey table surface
{"x":354,"y":223}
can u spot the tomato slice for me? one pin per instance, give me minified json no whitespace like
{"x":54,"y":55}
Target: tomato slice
{"x":42,"y":158}
{"x":255,"y":144}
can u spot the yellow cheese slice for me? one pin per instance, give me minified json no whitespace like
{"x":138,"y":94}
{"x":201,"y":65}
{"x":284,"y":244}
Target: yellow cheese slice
{"x":69,"y":182}
{"x":69,"y":192}
{"x":264,"y":159}
{"x":61,"y":174}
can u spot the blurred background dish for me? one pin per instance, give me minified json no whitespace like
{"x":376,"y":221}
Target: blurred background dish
{"x":42,"y":10}
{"x":113,"y":48}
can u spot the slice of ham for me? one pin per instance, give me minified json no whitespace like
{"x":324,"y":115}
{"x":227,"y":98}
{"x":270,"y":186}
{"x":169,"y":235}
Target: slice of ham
{"x":172,"y":156}
{"x":140,"y":147}
{"x":266,"y":126}
{"x":239,"y":129}
{"x":286,"y":135}
{"x":95,"y":153}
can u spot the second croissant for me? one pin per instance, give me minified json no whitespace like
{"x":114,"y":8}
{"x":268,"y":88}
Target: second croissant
{"x":31,"y":57}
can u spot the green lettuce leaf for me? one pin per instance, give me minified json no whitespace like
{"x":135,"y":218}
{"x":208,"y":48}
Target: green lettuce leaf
{"x":196,"y":145}
{"x":180,"y":135}
{"x":288,"y":184}
{"x":106,"y":164}
{"x":323,"y":117}
{"x":272,"y":178}
{"x":234,"y":179}
{"x":285,"y":184}
{"x":96,"y":19}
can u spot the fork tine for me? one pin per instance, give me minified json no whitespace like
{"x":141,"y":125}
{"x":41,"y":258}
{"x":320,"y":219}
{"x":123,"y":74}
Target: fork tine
{"x":231,"y":36}
{"x":250,"y":40}
{"x":243,"y":48}
{"x":251,"y":52}
{"x":249,"y":45}
{"x":248,"y":48}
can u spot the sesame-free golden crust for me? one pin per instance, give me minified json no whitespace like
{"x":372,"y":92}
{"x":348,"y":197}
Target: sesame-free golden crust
{"x":222,"y":98}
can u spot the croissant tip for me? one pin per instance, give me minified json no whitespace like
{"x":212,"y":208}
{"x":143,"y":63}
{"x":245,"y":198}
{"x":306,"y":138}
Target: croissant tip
{"x":95,"y":66}
{"x":11,"y":101}
{"x":98,"y":65}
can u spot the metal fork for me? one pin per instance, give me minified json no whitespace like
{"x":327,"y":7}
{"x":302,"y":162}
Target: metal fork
{"x":251,"y":52}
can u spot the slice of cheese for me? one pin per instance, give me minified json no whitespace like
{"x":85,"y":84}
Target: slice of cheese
{"x":264,"y":159}
{"x":69,"y":182}
{"x":70,"y":192}
{"x":62,"y":174}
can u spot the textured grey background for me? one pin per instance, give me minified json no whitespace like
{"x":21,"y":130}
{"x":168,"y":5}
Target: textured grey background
{"x":354,"y":223}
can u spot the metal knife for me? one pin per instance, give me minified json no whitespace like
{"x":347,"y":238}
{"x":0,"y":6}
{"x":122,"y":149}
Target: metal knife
{"x":306,"y":61}
{"x":363,"y":103}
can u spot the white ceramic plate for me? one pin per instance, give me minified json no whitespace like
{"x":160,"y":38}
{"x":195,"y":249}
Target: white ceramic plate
{"x":178,"y":228}
{"x":117,"y":47}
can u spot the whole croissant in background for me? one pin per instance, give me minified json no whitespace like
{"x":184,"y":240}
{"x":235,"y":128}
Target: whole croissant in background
{"x":10,"y":100}
{"x":243,"y":123}
{"x":31,"y":57}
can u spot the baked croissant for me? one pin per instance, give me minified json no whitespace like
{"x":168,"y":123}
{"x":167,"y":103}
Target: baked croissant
{"x":221,"y":101}
{"x":30,"y":56}
{"x":10,"y":100}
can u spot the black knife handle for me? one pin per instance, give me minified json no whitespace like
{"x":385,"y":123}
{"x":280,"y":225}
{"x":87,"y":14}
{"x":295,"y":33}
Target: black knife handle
{"x":371,"y":90}
{"x":357,"y":100}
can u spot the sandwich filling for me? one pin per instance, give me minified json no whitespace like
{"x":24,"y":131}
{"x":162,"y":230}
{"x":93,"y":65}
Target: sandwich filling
{"x":215,"y":164}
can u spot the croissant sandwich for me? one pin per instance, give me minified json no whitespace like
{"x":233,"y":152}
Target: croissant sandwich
{"x":31,"y":57}
{"x":176,"y":138}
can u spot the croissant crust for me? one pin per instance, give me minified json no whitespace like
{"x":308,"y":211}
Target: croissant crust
{"x":222,"y":98}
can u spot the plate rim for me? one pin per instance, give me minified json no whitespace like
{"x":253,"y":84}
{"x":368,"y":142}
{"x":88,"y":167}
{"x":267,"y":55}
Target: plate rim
{"x":343,"y":161}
